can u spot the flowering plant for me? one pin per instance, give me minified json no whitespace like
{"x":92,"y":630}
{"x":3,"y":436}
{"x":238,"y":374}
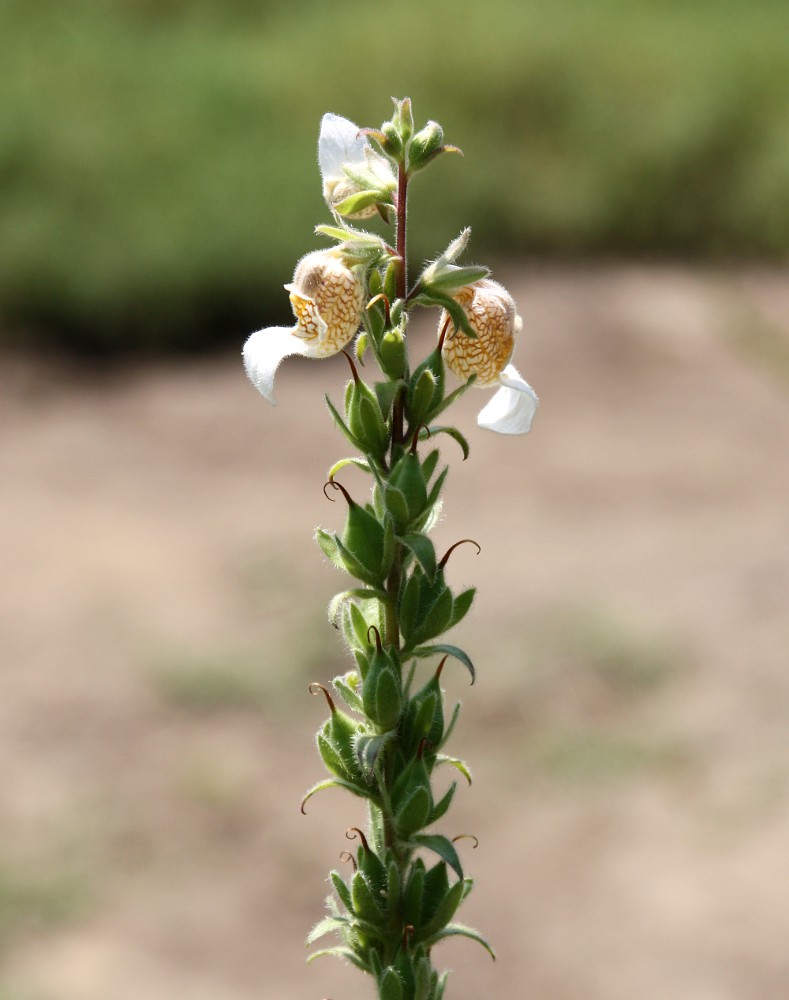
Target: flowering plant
{"x":406,"y":885}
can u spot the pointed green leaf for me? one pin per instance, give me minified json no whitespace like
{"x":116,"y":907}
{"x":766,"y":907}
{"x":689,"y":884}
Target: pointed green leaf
{"x":453,"y":432}
{"x":443,"y":847}
{"x":441,"y":647}
{"x":342,"y":890}
{"x":340,"y":952}
{"x":423,"y":550}
{"x":360,"y":463}
{"x":452,"y":930}
{"x":326,"y":926}
{"x":456,"y":762}
{"x":349,"y":786}
{"x":461,"y":605}
{"x":342,"y":425}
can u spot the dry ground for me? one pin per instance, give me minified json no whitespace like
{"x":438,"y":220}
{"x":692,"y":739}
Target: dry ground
{"x":161,"y":612}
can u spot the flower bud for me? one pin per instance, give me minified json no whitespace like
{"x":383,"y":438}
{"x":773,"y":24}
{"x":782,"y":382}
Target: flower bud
{"x":424,"y":145}
{"x":493,"y":317}
{"x":327,"y":300}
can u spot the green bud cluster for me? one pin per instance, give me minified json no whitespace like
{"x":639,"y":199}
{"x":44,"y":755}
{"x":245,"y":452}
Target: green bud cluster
{"x":400,"y":897}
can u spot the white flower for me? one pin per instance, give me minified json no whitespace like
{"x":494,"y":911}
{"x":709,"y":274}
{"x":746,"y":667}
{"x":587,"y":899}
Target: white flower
{"x":493,"y":317}
{"x":341,"y":148}
{"x":327,"y":300}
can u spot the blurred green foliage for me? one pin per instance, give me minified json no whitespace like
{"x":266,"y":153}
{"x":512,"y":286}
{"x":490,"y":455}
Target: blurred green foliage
{"x":157,"y":157}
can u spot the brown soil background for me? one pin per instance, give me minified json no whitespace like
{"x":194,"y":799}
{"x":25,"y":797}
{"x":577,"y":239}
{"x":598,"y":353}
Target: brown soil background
{"x":162,"y":611}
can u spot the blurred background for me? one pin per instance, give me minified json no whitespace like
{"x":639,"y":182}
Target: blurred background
{"x":626,"y":173}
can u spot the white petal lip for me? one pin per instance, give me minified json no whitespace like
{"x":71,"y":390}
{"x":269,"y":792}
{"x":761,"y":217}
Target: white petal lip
{"x":339,"y":142}
{"x":513,"y":406}
{"x":263,"y":352}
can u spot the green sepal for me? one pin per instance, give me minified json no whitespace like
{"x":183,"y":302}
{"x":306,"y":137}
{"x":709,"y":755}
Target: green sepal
{"x":453,"y":432}
{"x":367,"y":749}
{"x":424,"y":146}
{"x":435,"y":614}
{"x":423,"y":551}
{"x":429,"y":464}
{"x":423,"y":652}
{"x":443,"y":847}
{"x":445,"y":910}
{"x":392,"y":352}
{"x":421,"y":396}
{"x":327,"y":541}
{"x":453,"y":930}
{"x":409,"y":605}
{"x":342,"y":890}
{"x":461,"y":605}
{"x":359,"y":624}
{"x":414,"y":812}
{"x":355,"y":567}
{"x":423,"y":979}
{"x":381,"y":693}
{"x":455,"y":277}
{"x":390,"y":280}
{"x":347,"y":687}
{"x":436,"y":888}
{"x":452,"y":723}
{"x":414,"y":891}
{"x":357,"y":202}
{"x":397,"y":507}
{"x":441,"y":985}
{"x":394,"y":887}
{"x":419,"y":723}
{"x":407,"y":476}
{"x":386,"y":392}
{"x":360,"y":346}
{"x":342,"y":425}
{"x":376,"y":432}
{"x":332,"y":757}
{"x":365,"y":904}
{"x":390,"y":986}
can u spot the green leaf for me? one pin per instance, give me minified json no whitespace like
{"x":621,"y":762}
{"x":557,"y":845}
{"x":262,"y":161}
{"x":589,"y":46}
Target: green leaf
{"x":443,"y":847}
{"x":423,"y":550}
{"x":326,"y":926}
{"x":456,"y":278}
{"x":348,"y":690}
{"x":340,"y":952}
{"x":453,"y":432}
{"x":461,"y":605}
{"x":422,"y":652}
{"x":360,"y":463}
{"x":440,"y":808}
{"x":414,"y":812}
{"x":342,"y":425}
{"x":452,"y":930}
{"x":386,"y":392}
{"x":349,"y":786}
{"x":456,"y":762}
{"x":342,"y":890}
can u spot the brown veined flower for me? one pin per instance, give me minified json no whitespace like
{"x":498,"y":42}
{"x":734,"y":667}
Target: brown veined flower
{"x":327,"y":299}
{"x":493,"y":317}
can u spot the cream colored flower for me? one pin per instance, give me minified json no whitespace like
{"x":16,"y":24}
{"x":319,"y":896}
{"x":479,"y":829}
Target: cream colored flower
{"x":493,"y":317}
{"x":327,"y":300}
{"x":341,"y":147}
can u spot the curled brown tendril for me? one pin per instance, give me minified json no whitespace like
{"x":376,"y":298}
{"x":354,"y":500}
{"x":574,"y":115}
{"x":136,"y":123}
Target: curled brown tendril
{"x":347,"y":856}
{"x":467,"y":836}
{"x":380,"y":297}
{"x":352,"y":832}
{"x":337,"y":486}
{"x":408,"y":932}
{"x":452,"y":548}
{"x":315,"y":687}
